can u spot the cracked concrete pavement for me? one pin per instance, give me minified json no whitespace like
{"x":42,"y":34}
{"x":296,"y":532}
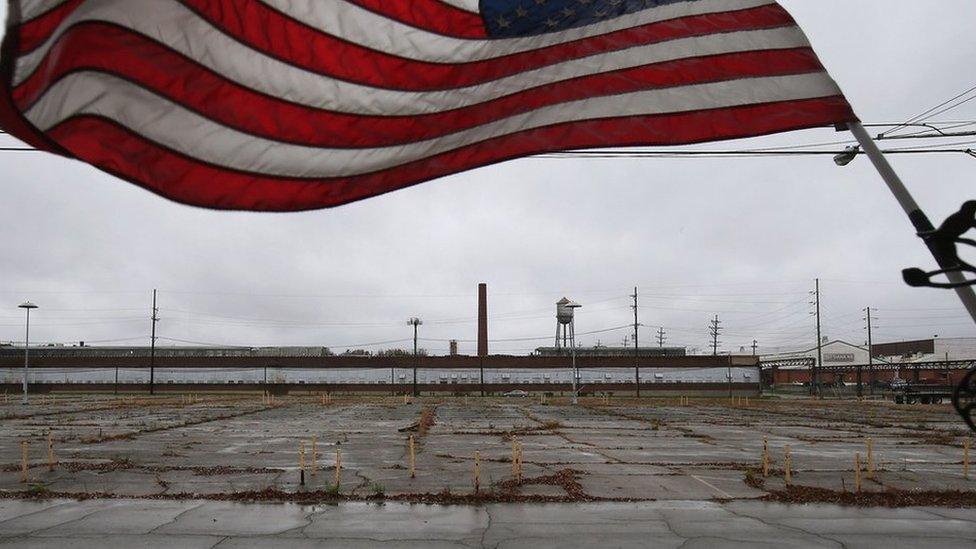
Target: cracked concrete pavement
{"x":651,"y":473}
{"x":660,"y":524}
{"x":624,"y":450}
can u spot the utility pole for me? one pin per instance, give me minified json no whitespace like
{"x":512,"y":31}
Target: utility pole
{"x":27,"y":306}
{"x":714,"y":329}
{"x":815,"y":381}
{"x":482,"y":332}
{"x":755,"y":344}
{"x":660,"y":337}
{"x":152,"y":346}
{"x":870,"y":359}
{"x":415,"y":322}
{"x":636,"y":348}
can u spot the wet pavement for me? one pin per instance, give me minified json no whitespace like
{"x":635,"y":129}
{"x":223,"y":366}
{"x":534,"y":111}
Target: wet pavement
{"x":113,"y":524}
{"x":618,"y":450}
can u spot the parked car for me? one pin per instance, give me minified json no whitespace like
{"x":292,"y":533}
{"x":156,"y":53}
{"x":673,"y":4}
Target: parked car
{"x":516,"y":393}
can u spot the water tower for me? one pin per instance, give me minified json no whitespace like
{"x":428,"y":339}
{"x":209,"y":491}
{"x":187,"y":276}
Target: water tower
{"x":564,"y":322}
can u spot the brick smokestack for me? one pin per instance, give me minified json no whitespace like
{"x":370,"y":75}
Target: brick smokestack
{"x":482,"y":319}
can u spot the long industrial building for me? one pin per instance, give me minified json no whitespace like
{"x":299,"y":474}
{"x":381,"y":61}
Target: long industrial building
{"x":310,"y":367}
{"x":601,"y":369}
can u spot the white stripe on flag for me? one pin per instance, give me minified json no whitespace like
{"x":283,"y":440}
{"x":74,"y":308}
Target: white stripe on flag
{"x":198,"y":40}
{"x":364,"y":27}
{"x":193,"y":135}
{"x":474,"y":6}
{"x":30,"y":9}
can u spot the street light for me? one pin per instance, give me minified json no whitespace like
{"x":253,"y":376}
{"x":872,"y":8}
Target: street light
{"x":572,"y":330}
{"x":848,"y":156}
{"x":415,"y":322}
{"x":27,"y":305}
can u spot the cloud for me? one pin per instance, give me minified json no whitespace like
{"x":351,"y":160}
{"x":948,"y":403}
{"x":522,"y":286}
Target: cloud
{"x":742,"y":238}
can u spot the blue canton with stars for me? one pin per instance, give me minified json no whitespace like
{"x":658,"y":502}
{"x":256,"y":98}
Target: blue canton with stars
{"x":509,"y":18}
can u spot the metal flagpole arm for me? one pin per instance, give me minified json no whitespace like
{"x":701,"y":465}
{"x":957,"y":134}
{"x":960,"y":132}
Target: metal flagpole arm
{"x":942,"y":243}
{"x":951,"y":266}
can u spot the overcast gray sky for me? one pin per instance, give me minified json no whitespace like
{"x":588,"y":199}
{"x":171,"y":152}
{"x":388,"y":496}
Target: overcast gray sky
{"x":741,"y":238}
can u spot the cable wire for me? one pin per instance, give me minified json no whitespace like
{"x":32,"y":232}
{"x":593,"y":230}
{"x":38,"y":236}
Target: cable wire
{"x":918,"y":117}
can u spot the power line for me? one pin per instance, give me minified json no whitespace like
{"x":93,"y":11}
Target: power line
{"x":224,"y":345}
{"x":542,"y":338}
{"x":920,"y":116}
{"x":953,"y":107}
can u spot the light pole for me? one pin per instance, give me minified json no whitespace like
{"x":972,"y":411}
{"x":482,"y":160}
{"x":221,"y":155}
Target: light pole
{"x":27,"y":306}
{"x":415,"y":322}
{"x":572,"y":343}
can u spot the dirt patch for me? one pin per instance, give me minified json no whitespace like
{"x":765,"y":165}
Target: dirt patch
{"x":887,"y":498}
{"x":127,"y":465}
{"x":427,"y":419}
{"x":567,"y":479}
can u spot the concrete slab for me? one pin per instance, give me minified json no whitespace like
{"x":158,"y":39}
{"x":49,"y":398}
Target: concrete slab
{"x":113,"y":542}
{"x":642,"y":524}
{"x":650,"y":449}
{"x":226,"y":519}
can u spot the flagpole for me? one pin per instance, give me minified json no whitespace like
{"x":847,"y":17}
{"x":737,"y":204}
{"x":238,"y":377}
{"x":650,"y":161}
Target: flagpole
{"x":915,"y":214}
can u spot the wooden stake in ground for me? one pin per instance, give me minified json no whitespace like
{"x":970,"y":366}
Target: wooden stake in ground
{"x":477,"y":472}
{"x":857,"y":472}
{"x":765,"y":457}
{"x":517,"y":460}
{"x":520,"y":462}
{"x":787,"y":466}
{"x":50,"y":451}
{"x":870,"y":471}
{"x":24,"y":464}
{"x":965,"y":458}
{"x":514,"y":457}
{"x":413,"y":459}
{"x":338,"y":467}
{"x":315,"y":454}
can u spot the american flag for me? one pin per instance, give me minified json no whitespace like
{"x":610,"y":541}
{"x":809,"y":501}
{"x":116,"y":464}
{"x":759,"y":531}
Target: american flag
{"x":284,"y":105}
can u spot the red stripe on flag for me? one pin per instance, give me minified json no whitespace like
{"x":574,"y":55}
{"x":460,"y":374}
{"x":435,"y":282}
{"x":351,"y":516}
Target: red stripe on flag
{"x":281,"y":37}
{"x":431,"y":15}
{"x":114,"y":50}
{"x":120,"y":152}
{"x":35,"y":32}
